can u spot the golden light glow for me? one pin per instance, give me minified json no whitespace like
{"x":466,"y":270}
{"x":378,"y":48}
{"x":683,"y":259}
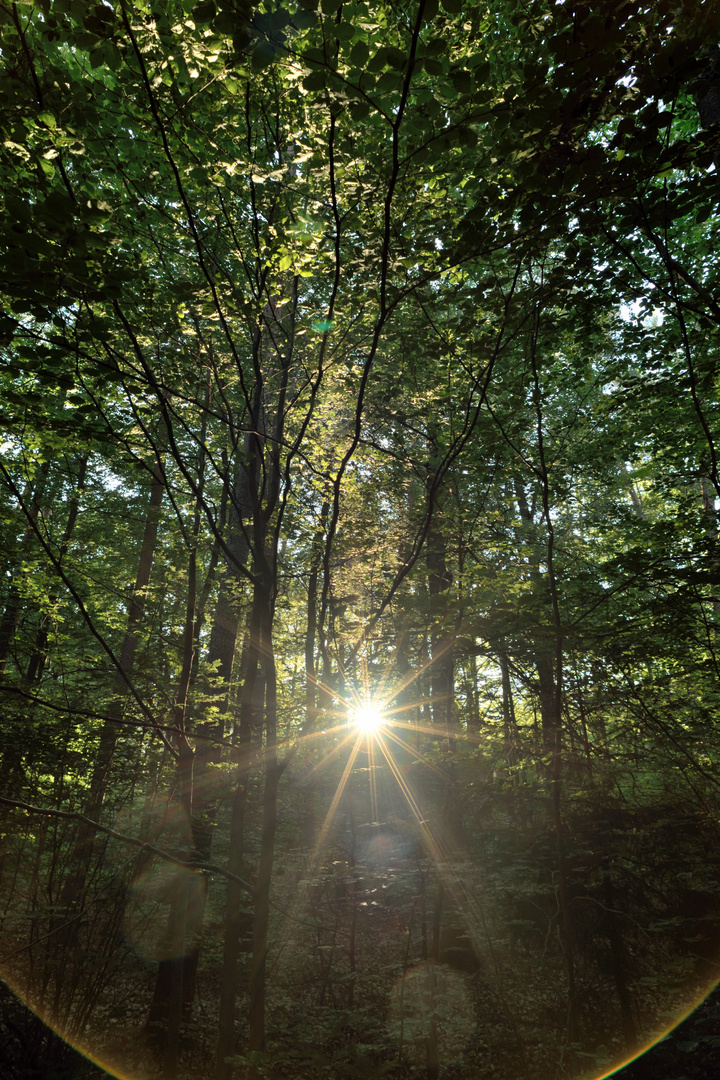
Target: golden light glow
{"x":381,"y":732}
{"x":368,"y":718}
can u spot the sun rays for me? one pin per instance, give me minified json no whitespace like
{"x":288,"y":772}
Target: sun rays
{"x":373,"y":725}
{"x":368,"y":718}
{"x":371,"y":721}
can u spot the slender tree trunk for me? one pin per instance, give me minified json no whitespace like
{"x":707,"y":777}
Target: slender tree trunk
{"x":74,"y":887}
{"x":175,"y":984}
{"x":170,"y":976}
{"x":166,"y":1010}
{"x":263,"y":488}
{"x":11,"y":614}
{"x":619,"y":961}
{"x":109,"y":731}
{"x":585,"y":733}
{"x":236,"y":915}
{"x":311,"y":689}
{"x":442,"y":655}
{"x":544,"y":666}
{"x":273,"y":772}
{"x":221,"y":651}
{"x":545,"y":652}
{"x":708,"y":495}
{"x":509,"y":725}
{"x":473,"y":720}
{"x":38,"y":657}
{"x":553,"y":701}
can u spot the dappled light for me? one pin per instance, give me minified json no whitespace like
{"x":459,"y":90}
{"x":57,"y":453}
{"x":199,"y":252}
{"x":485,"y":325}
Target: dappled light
{"x":359,"y":539}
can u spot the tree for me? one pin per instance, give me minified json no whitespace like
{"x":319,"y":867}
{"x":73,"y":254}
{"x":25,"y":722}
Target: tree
{"x":360,"y":357}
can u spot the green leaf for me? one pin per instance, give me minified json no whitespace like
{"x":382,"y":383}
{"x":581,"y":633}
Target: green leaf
{"x":359,"y":54}
{"x":203,"y":13}
{"x":396,"y":58}
{"x":462,"y":81}
{"x":379,"y":60}
{"x":316,"y":80}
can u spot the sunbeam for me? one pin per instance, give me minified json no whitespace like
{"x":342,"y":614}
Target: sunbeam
{"x":415,"y":753}
{"x":368,"y":717}
{"x":322,"y":838}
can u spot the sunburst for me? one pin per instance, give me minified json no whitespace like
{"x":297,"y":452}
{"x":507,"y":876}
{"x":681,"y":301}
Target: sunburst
{"x":368,"y":717}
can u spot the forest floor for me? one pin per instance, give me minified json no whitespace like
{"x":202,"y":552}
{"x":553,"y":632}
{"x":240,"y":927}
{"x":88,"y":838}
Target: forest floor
{"x":31,"y":1051}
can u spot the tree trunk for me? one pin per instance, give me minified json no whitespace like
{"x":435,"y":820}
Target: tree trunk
{"x":74,"y":887}
{"x":708,"y":495}
{"x":509,"y":725}
{"x":236,"y":916}
{"x":473,"y":721}
{"x":551,"y":671}
{"x":311,"y":688}
{"x":221,"y":651}
{"x":442,"y":679}
{"x":546,"y":679}
{"x":8,"y":623}
{"x":619,"y":961}
{"x":273,"y":772}
{"x":38,"y":657}
{"x":109,"y":731}
{"x":175,"y":983}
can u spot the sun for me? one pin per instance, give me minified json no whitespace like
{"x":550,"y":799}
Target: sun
{"x":368,"y":718}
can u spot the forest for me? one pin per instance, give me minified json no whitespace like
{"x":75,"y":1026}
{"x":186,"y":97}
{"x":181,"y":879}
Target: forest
{"x":359,"y":481}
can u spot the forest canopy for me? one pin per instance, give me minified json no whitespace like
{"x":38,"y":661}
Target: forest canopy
{"x":359,"y":481}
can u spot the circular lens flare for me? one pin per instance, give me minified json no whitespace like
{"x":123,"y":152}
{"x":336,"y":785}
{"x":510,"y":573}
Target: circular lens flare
{"x":368,"y":718}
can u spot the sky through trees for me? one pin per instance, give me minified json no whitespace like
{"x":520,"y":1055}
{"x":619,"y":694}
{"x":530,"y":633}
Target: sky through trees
{"x":361,"y":583}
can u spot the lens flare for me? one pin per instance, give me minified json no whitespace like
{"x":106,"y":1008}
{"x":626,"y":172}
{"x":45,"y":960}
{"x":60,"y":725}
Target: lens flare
{"x":389,"y":817}
{"x":368,"y":718}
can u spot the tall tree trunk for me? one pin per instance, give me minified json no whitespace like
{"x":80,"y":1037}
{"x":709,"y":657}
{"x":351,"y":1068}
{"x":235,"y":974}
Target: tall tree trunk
{"x":508,"y":706}
{"x":170,"y":996}
{"x":11,"y":614}
{"x":442,"y":655}
{"x":250,"y":702}
{"x":311,"y":688}
{"x":38,"y":657}
{"x":176,"y":978}
{"x":545,"y":667}
{"x":263,"y":483}
{"x":273,"y":772}
{"x":109,"y":731}
{"x":74,"y":887}
{"x":473,"y":719}
{"x":545,"y":651}
{"x":553,"y":702}
{"x":236,"y":917}
{"x":709,"y":495}
{"x":619,"y":960}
